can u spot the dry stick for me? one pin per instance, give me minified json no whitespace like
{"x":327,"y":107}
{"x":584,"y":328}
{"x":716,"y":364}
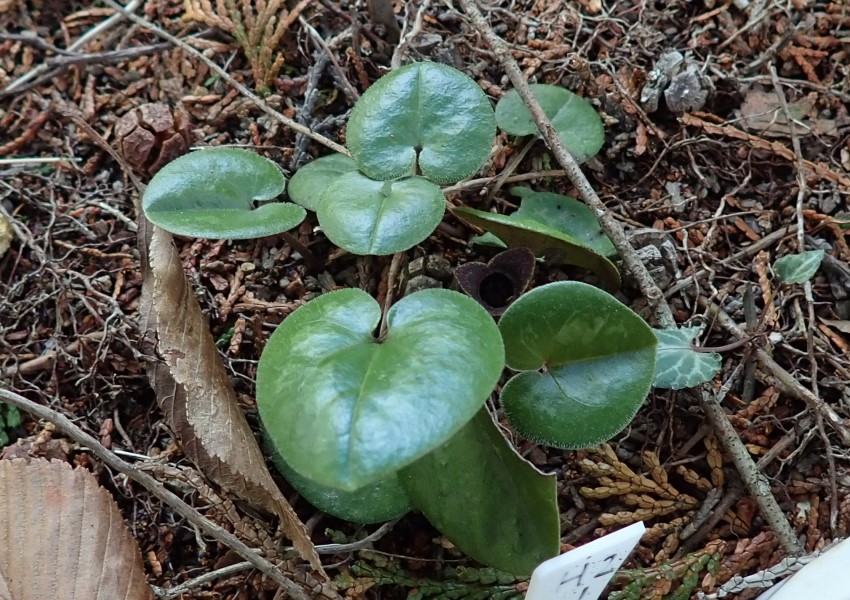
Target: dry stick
{"x":609,"y":224}
{"x":407,"y":36}
{"x":757,"y":484}
{"x":392,"y":277}
{"x":760,"y":244}
{"x":654,"y":296}
{"x":256,"y":100}
{"x":64,"y":425}
{"x":802,"y":190}
{"x":16,"y":85}
{"x":482,"y":182}
{"x":188,"y":586}
{"x":513,"y":164}
{"x":782,"y":378}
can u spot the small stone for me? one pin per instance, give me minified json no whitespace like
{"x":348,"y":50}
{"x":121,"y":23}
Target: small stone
{"x":421,"y":282}
{"x":688,"y":91}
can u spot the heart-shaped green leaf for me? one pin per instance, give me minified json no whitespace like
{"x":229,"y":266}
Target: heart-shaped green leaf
{"x":214,"y":193}
{"x":365,"y":216}
{"x":596,"y":360}
{"x":575,"y":120}
{"x":346,"y":410}
{"x":310,"y":181}
{"x":424,"y":114}
{"x":374,"y":503}
{"x":677,"y":364}
{"x":486,"y":499}
{"x":543,"y":241}
{"x":565,"y":214}
{"x":798,"y":268}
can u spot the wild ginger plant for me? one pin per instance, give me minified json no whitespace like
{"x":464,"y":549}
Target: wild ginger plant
{"x":372,"y":414}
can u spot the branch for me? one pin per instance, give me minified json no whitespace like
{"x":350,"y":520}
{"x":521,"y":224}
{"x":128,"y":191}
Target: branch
{"x":159,"y":31}
{"x":64,"y":425}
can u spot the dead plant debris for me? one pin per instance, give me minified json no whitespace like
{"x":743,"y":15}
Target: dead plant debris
{"x":714,"y":183}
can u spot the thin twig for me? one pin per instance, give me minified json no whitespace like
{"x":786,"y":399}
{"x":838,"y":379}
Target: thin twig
{"x":64,"y":425}
{"x":802,"y":191}
{"x":482,"y":182}
{"x":513,"y":164}
{"x":187,"y":586}
{"x":256,"y":100}
{"x":782,"y":378}
{"x":62,"y":63}
{"x":407,"y":36}
{"x":349,"y":90}
{"x":757,"y":484}
{"x":392,"y":281}
{"x":17,"y":85}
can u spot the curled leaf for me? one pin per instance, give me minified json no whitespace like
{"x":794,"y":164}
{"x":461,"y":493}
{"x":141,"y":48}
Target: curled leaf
{"x":798,"y":268}
{"x":565,"y":214}
{"x":194,"y":390}
{"x":487,"y":499}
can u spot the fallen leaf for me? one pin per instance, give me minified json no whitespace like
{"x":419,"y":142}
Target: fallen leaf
{"x":63,"y":537}
{"x":194,"y":390}
{"x":762,"y":113}
{"x":841,"y":325}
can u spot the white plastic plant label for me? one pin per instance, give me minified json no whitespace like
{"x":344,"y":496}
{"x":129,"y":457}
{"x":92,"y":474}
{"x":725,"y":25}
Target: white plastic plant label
{"x":583,"y":573}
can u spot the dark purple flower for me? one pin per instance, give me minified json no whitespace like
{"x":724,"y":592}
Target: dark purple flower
{"x":499,"y":282}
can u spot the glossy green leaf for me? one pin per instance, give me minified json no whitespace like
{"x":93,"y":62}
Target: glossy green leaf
{"x":588,"y":364}
{"x":310,"y":181}
{"x":677,"y":365}
{"x":365,"y":216}
{"x":577,"y":123}
{"x":374,"y":503}
{"x":217,"y":193}
{"x":488,"y":239}
{"x":543,"y":241}
{"x":425,"y":114}
{"x":346,"y":410}
{"x":798,"y":268}
{"x":567,"y":215}
{"x":486,"y":499}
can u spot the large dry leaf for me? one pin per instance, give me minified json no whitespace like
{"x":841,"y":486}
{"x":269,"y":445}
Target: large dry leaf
{"x":62,"y":537}
{"x":194,"y":390}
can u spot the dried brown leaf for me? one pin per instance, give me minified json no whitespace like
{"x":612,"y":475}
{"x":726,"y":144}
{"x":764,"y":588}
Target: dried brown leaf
{"x":194,"y":390}
{"x":62,"y":537}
